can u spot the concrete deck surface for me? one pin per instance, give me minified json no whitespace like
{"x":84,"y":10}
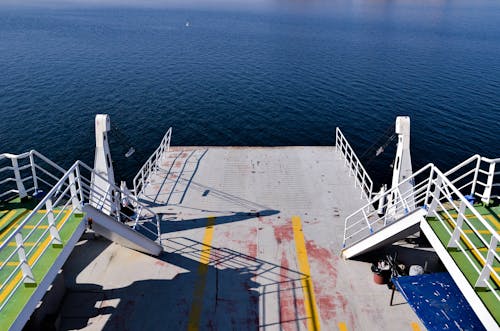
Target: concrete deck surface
{"x":243,"y":229}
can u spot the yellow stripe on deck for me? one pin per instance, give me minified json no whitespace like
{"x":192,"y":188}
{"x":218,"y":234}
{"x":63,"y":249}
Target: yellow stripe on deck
{"x":6,"y":218}
{"x":414,"y":326}
{"x":16,"y":279}
{"x":197,"y":305}
{"x":342,"y":326}
{"x":307,"y":284}
{"x":12,"y":224}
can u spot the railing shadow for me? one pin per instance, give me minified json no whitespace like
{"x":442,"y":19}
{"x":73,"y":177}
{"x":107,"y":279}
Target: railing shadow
{"x":239,"y":289}
{"x":176,"y":176}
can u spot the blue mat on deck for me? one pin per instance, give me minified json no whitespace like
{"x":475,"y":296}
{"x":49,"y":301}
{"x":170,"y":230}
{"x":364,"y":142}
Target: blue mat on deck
{"x":438,"y":302}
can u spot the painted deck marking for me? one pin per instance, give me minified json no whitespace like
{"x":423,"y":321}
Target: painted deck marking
{"x":196,"y":306}
{"x":481,"y":259}
{"x":414,"y":326}
{"x":6,"y":218}
{"x":7,"y":229}
{"x":16,"y":279}
{"x":307,"y":284}
{"x":342,"y":326}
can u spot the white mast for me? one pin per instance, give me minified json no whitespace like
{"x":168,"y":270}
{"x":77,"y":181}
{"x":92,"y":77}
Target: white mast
{"x":105,"y":200}
{"x":402,"y":168}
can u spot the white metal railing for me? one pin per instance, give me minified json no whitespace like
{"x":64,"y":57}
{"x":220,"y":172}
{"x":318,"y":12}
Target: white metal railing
{"x":395,"y":204}
{"x":32,"y":237}
{"x":26,"y":173}
{"x":152,"y":164}
{"x":352,"y":162}
{"x":467,"y":228}
{"x":450,"y":207}
{"x":477,"y":176}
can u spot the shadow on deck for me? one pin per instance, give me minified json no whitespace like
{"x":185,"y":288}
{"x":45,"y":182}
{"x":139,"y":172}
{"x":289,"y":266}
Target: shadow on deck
{"x":228,"y":299}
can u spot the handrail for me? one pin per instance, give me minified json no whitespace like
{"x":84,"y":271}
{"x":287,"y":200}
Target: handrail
{"x":372,"y":217}
{"x":152,"y":164}
{"x":477,"y":172}
{"x":352,"y":162}
{"x":24,"y":183}
{"x":65,"y":198}
{"x":438,"y":195}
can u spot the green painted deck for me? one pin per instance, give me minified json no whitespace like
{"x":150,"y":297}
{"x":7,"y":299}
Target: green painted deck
{"x":492,"y":216}
{"x":39,"y":252}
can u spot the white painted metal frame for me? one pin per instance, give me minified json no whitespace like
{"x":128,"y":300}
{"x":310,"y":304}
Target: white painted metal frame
{"x":26,"y":173}
{"x":366,"y":221}
{"x":446,"y":193}
{"x":152,"y":164}
{"x":353,"y":164}
{"x":438,"y":195}
{"x":477,"y":176}
{"x":64,"y":199}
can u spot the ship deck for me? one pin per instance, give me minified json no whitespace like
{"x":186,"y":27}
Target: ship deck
{"x":252,"y":238}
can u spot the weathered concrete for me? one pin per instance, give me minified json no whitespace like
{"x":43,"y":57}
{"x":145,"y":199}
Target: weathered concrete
{"x":250,"y":276}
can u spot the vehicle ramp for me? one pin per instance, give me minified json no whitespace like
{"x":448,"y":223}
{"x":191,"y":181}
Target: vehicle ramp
{"x":386,"y":235}
{"x":465,"y":235}
{"x":44,"y":210}
{"x":120,"y":233}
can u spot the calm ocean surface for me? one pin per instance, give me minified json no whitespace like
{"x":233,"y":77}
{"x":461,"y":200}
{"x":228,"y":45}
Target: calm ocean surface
{"x":265,"y":73}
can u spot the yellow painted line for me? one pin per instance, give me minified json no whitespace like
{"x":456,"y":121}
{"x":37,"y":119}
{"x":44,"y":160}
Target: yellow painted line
{"x":469,"y":245}
{"x":43,"y":227}
{"x":197,"y":304}
{"x":313,"y":323}
{"x":485,"y":249}
{"x":342,"y":326}
{"x":27,"y":244}
{"x":472,"y":217}
{"x":479,"y":231}
{"x":12,"y":224}
{"x":16,"y":279}
{"x":7,"y":217}
{"x":494,"y":221}
{"x":415,"y":327}
{"x":10,"y":264}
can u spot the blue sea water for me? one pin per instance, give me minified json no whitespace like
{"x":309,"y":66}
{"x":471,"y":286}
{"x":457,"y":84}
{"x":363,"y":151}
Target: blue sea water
{"x":255,"y":73}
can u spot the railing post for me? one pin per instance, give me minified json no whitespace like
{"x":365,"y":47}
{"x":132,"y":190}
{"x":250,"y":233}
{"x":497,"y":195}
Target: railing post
{"x":72,"y":188}
{"x":54,"y":233}
{"x":28,"y":278}
{"x":367,"y":221}
{"x":485,"y":273}
{"x":19,"y":182}
{"x":33,"y":172}
{"x":428,"y":190}
{"x":435,"y":195}
{"x":80,"y":188}
{"x":489,"y":183}
{"x":458,"y":227}
{"x":117,"y":205}
{"x":476,"y":173}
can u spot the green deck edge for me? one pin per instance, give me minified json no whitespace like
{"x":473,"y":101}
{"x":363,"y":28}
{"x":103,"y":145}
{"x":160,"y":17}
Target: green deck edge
{"x":22,"y":294}
{"x":486,"y":296}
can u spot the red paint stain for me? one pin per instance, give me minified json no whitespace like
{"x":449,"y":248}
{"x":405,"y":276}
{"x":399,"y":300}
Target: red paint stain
{"x":330,"y":302}
{"x":160,"y":263}
{"x":283,"y":232}
{"x":177,"y":164}
{"x":286,"y":298}
{"x":325,"y":259}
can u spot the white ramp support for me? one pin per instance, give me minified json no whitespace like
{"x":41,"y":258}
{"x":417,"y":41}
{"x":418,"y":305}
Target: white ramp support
{"x":387,"y":235}
{"x":118,"y":232}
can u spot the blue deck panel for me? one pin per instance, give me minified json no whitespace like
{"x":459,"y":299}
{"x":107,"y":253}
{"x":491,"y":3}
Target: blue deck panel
{"x":438,"y":302}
